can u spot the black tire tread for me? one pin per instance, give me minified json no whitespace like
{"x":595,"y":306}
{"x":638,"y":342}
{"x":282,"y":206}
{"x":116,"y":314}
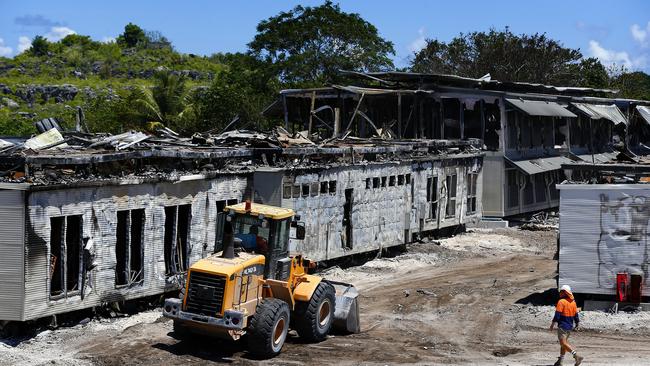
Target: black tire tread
{"x":306,"y":313}
{"x":260,"y":326}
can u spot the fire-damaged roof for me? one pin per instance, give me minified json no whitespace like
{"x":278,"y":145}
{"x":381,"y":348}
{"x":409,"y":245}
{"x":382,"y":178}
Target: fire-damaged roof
{"x":486,"y":82}
{"x":59,"y":157}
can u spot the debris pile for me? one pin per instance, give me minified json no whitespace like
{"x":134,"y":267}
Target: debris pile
{"x":56,"y":156}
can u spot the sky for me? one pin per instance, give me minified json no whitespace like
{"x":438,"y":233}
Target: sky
{"x":616,"y":32}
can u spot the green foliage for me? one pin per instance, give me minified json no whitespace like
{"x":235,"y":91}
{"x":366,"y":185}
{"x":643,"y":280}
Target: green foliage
{"x":591,"y":73}
{"x":168,"y":101}
{"x":308,"y":45}
{"x":506,"y":56}
{"x":242,"y":91}
{"x":132,"y":36}
{"x":40,"y":46}
{"x":633,"y":85}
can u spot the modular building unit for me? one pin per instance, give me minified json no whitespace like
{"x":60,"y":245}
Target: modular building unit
{"x":65,"y":248}
{"x":358,"y":208}
{"x":603,"y":232}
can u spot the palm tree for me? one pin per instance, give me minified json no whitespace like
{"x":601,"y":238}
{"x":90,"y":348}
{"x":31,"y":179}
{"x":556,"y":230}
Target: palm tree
{"x":167,"y":102}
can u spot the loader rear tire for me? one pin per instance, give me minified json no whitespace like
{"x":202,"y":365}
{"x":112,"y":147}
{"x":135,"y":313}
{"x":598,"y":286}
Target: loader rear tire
{"x":313,"y":320}
{"x":268,"y":328}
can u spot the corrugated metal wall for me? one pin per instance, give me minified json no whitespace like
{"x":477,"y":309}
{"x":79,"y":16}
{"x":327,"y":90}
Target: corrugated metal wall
{"x":98,"y":207}
{"x":603,"y":231}
{"x":12,"y":238}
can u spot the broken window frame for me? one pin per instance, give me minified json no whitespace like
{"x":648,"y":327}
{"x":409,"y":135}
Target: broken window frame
{"x":332,"y":187}
{"x":452,"y":189}
{"x":471,"y":193}
{"x":375,"y":182}
{"x":287,"y":190}
{"x":175,"y":264}
{"x":133,"y":236}
{"x":383,"y":182}
{"x":304,"y":190}
{"x":313,"y":190}
{"x":391,"y":181}
{"x":368,"y":183}
{"x":324,"y":187}
{"x":66,"y":241}
{"x":432,"y":197}
{"x":400,"y":180}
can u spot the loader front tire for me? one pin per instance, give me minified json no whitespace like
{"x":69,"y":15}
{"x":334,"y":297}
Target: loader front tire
{"x":268,"y":328}
{"x":313,"y":320}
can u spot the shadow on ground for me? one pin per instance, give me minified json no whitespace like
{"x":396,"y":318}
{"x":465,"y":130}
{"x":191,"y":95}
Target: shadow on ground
{"x":548,"y":297}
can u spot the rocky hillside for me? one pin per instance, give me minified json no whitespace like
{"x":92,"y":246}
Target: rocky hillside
{"x":52,"y":78}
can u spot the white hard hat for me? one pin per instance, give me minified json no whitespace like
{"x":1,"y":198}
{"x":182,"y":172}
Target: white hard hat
{"x":566,"y":288}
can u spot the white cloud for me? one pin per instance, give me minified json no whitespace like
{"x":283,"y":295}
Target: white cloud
{"x":24,"y":43}
{"x":640,"y":34}
{"x":5,"y":51}
{"x":612,"y":57}
{"x":58,"y":33}
{"x":108,"y":39}
{"x":418,"y":43}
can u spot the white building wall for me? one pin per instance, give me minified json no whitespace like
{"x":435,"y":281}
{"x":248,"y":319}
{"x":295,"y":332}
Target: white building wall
{"x":98,"y":207}
{"x":603,"y":231}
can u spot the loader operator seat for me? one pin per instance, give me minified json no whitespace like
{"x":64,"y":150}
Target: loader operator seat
{"x":253,"y":242}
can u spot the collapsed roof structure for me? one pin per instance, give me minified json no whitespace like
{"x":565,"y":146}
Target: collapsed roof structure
{"x":528,"y":130}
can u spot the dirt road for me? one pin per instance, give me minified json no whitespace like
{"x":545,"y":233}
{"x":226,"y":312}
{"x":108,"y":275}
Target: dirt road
{"x":479,"y":298}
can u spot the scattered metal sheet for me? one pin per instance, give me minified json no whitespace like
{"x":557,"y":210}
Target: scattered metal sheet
{"x":47,"y":124}
{"x":49,"y":139}
{"x":122,"y":141}
{"x":5,"y":144}
{"x":602,"y":111}
{"x":535,"y":166}
{"x":540,"y":108}
{"x":644,"y":112}
{"x":599,"y":158}
{"x":287,"y":139}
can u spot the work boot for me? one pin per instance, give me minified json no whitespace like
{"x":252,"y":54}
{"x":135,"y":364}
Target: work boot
{"x":558,"y":362}
{"x":578,"y":359}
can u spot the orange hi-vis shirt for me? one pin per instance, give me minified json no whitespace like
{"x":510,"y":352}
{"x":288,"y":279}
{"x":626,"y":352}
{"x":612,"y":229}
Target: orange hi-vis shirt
{"x":566,"y":313}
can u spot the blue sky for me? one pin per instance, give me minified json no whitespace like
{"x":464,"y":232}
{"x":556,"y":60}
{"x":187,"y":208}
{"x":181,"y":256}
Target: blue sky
{"x":614,"y":31}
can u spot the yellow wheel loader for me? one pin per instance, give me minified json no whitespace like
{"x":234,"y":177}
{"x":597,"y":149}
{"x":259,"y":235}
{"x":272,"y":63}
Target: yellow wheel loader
{"x":253,"y":286}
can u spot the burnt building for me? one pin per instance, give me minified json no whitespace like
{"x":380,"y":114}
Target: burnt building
{"x":527,"y":130}
{"x":92,"y":219}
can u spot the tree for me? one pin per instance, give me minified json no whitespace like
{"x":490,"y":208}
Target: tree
{"x":633,"y":85}
{"x":309,"y":45}
{"x":77,"y":39}
{"x":592,"y":74}
{"x":40,"y":46}
{"x":133,"y":36}
{"x":502,"y":54}
{"x":168,"y":102}
{"x":241,"y":91}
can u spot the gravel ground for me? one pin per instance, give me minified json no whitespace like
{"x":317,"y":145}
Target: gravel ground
{"x":480,"y":298}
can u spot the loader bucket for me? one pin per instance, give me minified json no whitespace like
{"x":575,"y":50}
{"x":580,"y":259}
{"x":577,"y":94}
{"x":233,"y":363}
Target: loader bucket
{"x":346,"y":311}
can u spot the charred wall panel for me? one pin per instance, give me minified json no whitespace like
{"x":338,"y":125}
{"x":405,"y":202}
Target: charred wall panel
{"x":12,"y":239}
{"x":376,"y":205}
{"x":98,"y":207}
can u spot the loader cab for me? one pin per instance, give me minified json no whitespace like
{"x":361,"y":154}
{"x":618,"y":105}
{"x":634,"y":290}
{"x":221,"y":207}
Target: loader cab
{"x":263,"y":230}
